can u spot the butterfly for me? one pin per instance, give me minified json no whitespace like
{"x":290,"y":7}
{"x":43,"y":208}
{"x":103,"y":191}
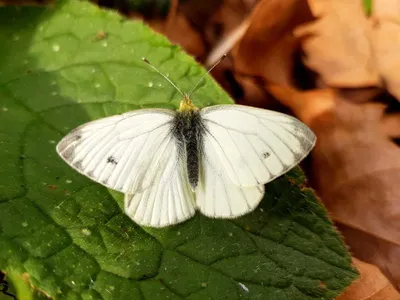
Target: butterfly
{"x":171,"y":163}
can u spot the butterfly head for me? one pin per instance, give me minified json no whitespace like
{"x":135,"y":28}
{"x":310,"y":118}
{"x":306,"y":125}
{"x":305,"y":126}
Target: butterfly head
{"x":187,"y":105}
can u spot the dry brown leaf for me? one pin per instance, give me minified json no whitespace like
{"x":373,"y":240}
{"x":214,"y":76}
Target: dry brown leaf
{"x":199,"y":12}
{"x":226,"y":19}
{"x":244,"y":89}
{"x":200,"y":25}
{"x":371,"y":285}
{"x":376,"y":251}
{"x":227,"y":25}
{"x":385,"y":41}
{"x":391,"y":125}
{"x":355,"y":166}
{"x":253,"y":93}
{"x":337,"y":44}
{"x":191,"y":40}
{"x":357,"y":169}
{"x":305,"y":105}
{"x":178,"y":30}
{"x":226,"y":43}
{"x":268,"y":46}
{"x":215,"y":20}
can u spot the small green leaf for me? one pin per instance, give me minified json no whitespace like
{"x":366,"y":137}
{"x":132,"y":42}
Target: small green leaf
{"x":18,"y":288}
{"x":367,"y":7}
{"x":65,"y":65}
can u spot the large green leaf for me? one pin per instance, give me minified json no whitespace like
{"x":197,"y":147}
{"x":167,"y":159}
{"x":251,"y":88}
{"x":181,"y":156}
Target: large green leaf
{"x":65,"y":65}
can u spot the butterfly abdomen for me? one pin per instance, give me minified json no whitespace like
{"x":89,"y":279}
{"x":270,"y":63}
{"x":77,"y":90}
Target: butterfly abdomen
{"x":187,"y":130}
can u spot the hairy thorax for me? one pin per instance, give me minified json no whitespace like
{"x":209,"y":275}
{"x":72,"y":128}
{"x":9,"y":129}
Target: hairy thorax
{"x":188,"y":130}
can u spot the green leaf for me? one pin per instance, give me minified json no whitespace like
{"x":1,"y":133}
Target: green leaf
{"x":367,"y":7}
{"x":65,"y":65}
{"x":18,"y":288}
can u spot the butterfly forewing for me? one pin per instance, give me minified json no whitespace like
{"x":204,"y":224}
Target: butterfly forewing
{"x":126,"y":152}
{"x":253,"y":145}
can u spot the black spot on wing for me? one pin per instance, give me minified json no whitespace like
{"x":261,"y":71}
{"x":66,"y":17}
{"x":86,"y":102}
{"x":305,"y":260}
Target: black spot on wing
{"x":111,"y":160}
{"x":266,"y":155}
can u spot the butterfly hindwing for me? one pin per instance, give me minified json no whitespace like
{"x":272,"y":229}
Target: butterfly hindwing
{"x":218,"y":196}
{"x":169,"y":201}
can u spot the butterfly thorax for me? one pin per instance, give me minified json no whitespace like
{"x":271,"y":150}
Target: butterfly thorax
{"x":188,"y":132}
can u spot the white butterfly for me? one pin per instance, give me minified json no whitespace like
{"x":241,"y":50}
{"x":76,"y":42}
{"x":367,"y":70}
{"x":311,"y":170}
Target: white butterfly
{"x":171,"y":163}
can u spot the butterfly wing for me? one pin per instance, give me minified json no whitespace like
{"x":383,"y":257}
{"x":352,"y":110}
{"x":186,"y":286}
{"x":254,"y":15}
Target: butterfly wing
{"x":169,"y":201}
{"x":254,"y":145}
{"x":216,"y":194}
{"x":125,"y":152}
{"x":244,"y":148}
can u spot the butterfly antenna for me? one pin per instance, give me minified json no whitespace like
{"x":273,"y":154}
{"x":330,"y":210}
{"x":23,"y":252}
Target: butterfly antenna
{"x":204,"y":76}
{"x":169,"y":80}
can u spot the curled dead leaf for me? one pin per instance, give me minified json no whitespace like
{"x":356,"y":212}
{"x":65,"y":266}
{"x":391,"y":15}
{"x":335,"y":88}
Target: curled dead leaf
{"x":268,"y":46}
